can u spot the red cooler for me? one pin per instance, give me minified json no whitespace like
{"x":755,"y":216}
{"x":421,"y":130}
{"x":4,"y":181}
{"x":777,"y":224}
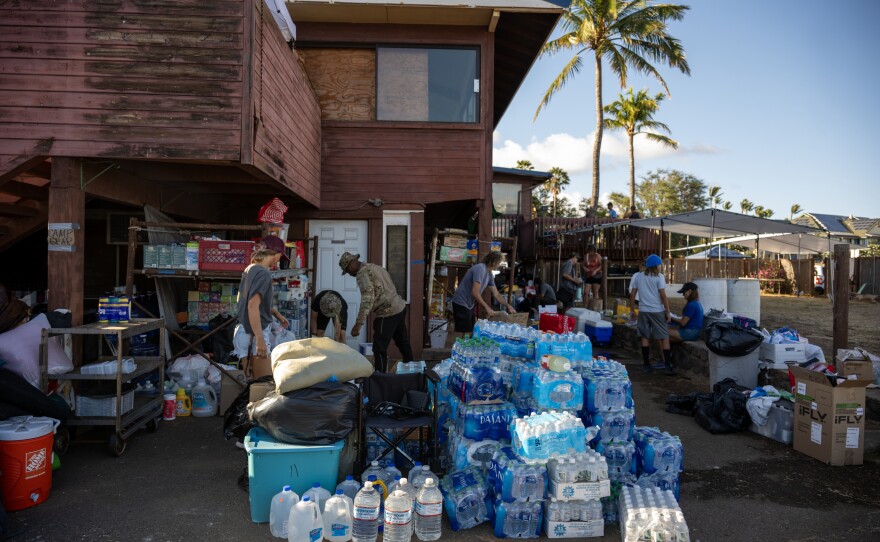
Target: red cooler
{"x":26,"y":460}
{"x":557,"y":323}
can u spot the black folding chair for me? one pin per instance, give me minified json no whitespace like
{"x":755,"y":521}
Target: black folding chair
{"x":392,"y":401}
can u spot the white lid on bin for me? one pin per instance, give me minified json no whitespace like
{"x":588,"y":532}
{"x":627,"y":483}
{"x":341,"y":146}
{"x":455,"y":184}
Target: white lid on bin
{"x":26,"y":427}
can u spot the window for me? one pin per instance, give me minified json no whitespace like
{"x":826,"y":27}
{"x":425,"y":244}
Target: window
{"x":428,"y":85}
{"x":505,"y":197}
{"x":397,"y":251}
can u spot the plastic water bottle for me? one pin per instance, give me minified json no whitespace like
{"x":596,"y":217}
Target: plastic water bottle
{"x":408,"y":488}
{"x":398,"y":517}
{"x":390,"y":472}
{"x":394,"y":485}
{"x":305,"y":523}
{"x":429,"y":512}
{"x":337,"y":518}
{"x":349,"y":486}
{"x":419,"y":479}
{"x":365,"y":517}
{"x":375,"y":470}
{"x":279,"y":512}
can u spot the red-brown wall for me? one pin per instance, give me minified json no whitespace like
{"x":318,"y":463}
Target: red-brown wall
{"x":284,"y":113}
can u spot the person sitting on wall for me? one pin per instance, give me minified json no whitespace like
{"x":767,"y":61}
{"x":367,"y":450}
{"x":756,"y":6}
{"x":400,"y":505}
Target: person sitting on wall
{"x":329,"y":305}
{"x":689,"y":325}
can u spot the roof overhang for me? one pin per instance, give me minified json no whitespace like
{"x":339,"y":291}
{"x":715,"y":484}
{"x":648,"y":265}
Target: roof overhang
{"x":530,"y":178}
{"x":521,"y":28}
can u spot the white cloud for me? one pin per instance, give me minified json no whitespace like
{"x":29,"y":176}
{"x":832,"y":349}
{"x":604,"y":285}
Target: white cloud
{"x":496,"y":136}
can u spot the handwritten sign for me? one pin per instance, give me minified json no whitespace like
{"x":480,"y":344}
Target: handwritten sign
{"x":61,"y":237}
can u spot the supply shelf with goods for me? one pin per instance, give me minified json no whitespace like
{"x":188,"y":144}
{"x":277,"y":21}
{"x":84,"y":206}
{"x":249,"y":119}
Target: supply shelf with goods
{"x":224,"y":276}
{"x":124,"y":410}
{"x":456,"y":251}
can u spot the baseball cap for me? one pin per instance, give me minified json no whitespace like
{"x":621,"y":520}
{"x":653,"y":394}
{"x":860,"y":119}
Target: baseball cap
{"x":347,"y":258}
{"x":687,"y":286}
{"x":330,"y":305}
{"x":273,"y":242}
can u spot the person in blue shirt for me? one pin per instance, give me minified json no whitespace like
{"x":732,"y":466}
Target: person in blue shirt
{"x":689,"y":325}
{"x":611,"y":212}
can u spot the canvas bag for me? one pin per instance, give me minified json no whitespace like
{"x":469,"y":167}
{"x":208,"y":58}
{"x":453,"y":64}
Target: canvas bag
{"x":306,"y":362}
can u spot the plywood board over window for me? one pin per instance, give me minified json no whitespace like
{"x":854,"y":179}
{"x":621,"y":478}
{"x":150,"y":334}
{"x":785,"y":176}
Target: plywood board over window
{"x":404,"y":90}
{"x":344,"y":80}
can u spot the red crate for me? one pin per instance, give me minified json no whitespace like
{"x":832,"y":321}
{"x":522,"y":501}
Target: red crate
{"x":557,"y":323}
{"x":224,"y":255}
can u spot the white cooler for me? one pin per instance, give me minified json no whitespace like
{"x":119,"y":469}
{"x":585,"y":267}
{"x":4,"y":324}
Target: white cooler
{"x":583,"y":317}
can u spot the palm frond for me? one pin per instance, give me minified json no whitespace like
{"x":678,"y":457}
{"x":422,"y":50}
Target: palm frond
{"x":653,"y":125}
{"x":573,"y":67}
{"x":668,"y":141}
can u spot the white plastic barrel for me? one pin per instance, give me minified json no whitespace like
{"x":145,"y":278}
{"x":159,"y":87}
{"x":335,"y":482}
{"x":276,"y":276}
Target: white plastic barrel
{"x":744,"y":298}
{"x":713,"y":293}
{"x":437,"y":329}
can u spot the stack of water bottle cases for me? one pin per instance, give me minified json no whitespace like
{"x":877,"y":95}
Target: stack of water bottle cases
{"x":542,"y":436}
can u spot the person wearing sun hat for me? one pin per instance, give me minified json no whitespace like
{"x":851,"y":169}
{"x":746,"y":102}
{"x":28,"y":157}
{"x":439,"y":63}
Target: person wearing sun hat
{"x":329,"y":306}
{"x":255,"y":309}
{"x":378,"y":295}
{"x":689,"y":325}
{"x":654,"y":313}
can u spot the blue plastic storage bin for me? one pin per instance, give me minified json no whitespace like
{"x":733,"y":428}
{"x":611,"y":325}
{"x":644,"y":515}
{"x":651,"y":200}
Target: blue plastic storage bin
{"x":273,"y":464}
{"x":599,"y":335}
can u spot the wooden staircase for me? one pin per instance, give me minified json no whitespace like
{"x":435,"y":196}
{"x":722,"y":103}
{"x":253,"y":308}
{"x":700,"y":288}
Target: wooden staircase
{"x":24,"y":194}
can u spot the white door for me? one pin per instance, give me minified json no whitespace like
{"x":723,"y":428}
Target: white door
{"x":334,"y":238}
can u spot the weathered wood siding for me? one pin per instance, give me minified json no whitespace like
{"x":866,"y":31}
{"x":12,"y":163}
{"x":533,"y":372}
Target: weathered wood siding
{"x":409,"y":162}
{"x":122,"y":78}
{"x":287,"y":116}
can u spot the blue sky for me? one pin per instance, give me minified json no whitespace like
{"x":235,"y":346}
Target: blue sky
{"x":780,"y":108}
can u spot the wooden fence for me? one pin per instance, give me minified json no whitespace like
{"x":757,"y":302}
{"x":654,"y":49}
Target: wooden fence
{"x":542,"y":238}
{"x":867,"y":271}
{"x":780,"y":276}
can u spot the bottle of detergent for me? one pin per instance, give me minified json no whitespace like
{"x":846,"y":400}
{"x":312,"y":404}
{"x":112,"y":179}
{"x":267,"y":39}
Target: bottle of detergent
{"x":184,"y":405}
{"x":204,"y":400}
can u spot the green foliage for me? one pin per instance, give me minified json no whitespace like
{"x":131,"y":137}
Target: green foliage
{"x":524,"y":164}
{"x":627,"y":34}
{"x":727,"y":205}
{"x":555,"y":184}
{"x":871,"y":251}
{"x":715,"y":194}
{"x":746,"y":206}
{"x":665,"y":192}
{"x":796,"y":209}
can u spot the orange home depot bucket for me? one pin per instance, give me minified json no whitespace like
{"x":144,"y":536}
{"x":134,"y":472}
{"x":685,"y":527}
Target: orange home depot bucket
{"x":26,"y":460}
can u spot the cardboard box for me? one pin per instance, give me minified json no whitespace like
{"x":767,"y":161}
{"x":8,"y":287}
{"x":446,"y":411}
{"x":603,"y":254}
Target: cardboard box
{"x":580,"y":491}
{"x":455,"y":241}
{"x":829,"y":420}
{"x":856,"y":370}
{"x":452,"y":254}
{"x":229,"y":390}
{"x":151,"y":256}
{"x":574,"y":529}
{"x":520,"y":318}
{"x":260,"y":390}
{"x":780,"y":353}
{"x":193,"y":296}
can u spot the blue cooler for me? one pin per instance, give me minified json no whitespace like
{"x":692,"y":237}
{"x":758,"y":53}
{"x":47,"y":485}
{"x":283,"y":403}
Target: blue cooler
{"x":599,"y":332}
{"x":273,"y":464}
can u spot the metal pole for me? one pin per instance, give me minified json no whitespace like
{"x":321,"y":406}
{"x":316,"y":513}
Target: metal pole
{"x":799,"y":264}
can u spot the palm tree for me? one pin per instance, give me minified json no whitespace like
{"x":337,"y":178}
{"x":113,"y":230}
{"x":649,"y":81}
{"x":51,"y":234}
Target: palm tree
{"x":524,"y":164}
{"x":715,"y":194}
{"x":554,"y":185}
{"x":727,"y":205}
{"x":746,"y":206}
{"x":634,"y":114}
{"x":795,"y":209}
{"x":761,"y":212}
{"x":628,"y":34}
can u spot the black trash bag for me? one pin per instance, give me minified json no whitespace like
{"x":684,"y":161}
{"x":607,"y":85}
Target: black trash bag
{"x":221,"y":341}
{"x":731,"y":340}
{"x":704,"y":418}
{"x":236,"y":422}
{"x":685,"y":404}
{"x":320,"y":414}
{"x":18,"y":392}
{"x":731,"y":400}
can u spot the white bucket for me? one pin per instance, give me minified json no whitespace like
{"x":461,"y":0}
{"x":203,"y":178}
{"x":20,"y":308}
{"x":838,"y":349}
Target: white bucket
{"x":438,"y":329}
{"x":744,"y":298}
{"x":713,"y":293}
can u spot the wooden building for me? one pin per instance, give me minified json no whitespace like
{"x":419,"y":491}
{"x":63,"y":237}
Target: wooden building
{"x":374,"y":127}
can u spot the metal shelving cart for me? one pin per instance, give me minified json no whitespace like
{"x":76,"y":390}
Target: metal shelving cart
{"x":145,"y":411}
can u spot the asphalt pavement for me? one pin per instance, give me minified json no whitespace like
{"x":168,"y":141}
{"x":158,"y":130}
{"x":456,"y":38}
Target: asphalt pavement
{"x":181,"y":484}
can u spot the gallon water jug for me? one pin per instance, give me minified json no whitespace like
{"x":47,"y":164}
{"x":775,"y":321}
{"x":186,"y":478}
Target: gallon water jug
{"x":373,"y":470}
{"x":305,"y":523}
{"x":349,"y":486}
{"x":318,"y":495}
{"x":204,"y":400}
{"x":337,"y":518}
{"x":279,"y":512}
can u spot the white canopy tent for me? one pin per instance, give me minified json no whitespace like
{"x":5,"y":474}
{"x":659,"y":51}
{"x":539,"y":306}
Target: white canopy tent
{"x":781,"y":243}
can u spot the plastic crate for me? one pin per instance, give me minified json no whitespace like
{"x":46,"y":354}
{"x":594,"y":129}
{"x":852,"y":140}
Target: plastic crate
{"x":103,"y":406}
{"x":273,"y":464}
{"x":224,"y":255}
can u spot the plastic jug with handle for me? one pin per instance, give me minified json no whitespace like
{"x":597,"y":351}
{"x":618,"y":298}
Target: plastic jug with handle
{"x":204,"y":400}
{"x":337,"y":518}
{"x":184,"y":404}
{"x":305,"y":523}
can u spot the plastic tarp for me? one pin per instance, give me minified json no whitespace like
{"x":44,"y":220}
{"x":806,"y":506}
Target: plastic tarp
{"x":787,"y":243}
{"x":320,"y":414}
